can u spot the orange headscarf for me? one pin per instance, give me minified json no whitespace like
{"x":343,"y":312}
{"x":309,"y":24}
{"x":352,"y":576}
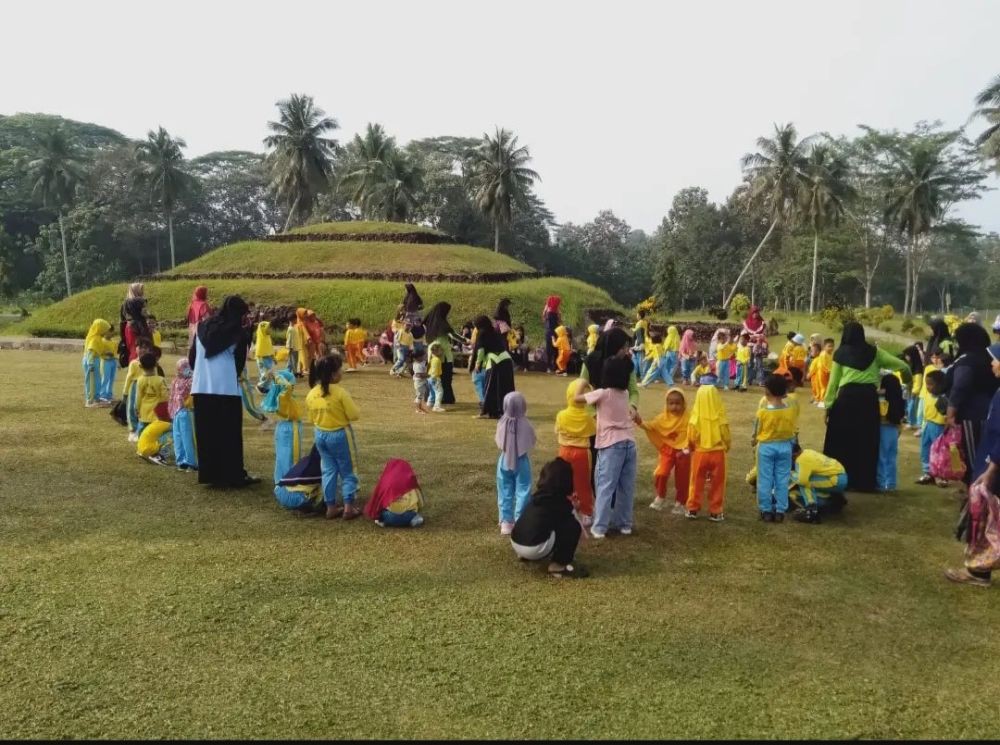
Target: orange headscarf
{"x":668,"y":430}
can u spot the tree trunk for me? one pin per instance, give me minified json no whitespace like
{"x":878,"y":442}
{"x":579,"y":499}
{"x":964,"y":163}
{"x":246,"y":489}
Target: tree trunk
{"x":291,"y":213}
{"x":736,"y":284}
{"x":909,"y":274}
{"x":170,"y":232}
{"x":496,"y":237}
{"x":62,"y":235}
{"x":868,"y":292}
{"x":913,"y":295}
{"x":812,"y":292}
{"x":159,"y":267}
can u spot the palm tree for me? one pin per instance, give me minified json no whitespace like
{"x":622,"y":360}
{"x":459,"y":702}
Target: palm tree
{"x":822,"y":197}
{"x":370,"y":158}
{"x":301,"y":160}
{"x":775,"y":173}
{"x":56,"y":172}
{"x":161,"y":167}
{"x":988,"y":107}
{"x":395,"y":195}
{"x":500,"y":178}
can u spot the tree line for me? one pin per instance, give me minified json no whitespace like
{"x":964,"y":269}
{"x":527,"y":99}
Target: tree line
{"x":816,"y":220}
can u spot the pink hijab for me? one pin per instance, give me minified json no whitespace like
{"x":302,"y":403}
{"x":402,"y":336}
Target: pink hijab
{"x":199,"y":307}
{"x":689,"y":347}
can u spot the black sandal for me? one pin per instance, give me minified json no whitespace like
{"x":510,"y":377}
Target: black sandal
{"x":571,"y":572}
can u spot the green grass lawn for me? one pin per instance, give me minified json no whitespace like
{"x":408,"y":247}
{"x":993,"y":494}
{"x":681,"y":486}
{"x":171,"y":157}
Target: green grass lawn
{"x":346,"y":256}
{"x":135,"y":604}
{"x":364,"y":226}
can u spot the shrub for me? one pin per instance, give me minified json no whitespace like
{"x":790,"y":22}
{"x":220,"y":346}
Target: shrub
{"x":739,"y":305}
{"x":917,"y":330}
{"x":650,"y":305}
{"x":719,"y":312}
{"x":888,"y":312}
{"x":906,"y":325}
{"x":836,"y":316}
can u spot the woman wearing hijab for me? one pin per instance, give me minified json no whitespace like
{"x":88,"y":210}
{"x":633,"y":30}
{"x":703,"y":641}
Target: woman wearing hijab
{"x":412,"y":304}
{"x":754,"y":322}
{"x":437,"y":329}
{"x":971,"y":385}
{"x":218,"y":357}
{"x":198,"y":310}
{"x":501,"y":318}
{"x":853,"y":427}
{"x":940,"y":340}
{"x":552,"y":320}
{"x":493,"y":358}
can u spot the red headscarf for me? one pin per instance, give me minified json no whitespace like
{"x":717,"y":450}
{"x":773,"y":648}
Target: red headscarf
{"x":396,"y":480}
{"x":314,"y":327}
{"x":199,"y":307}
{"x":754,"y":322}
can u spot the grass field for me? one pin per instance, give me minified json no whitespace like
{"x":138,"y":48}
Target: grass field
{"x":364,"y":226}
{"x":135,"y":604}
{"x":347,"y":256}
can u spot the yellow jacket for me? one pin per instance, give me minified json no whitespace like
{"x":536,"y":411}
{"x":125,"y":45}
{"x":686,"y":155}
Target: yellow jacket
{"x":654,"y":351}
{"x":94,"y":343}
{"x":931,"y":414}
{"x":725,"y":352}
{"x":673,"y":341}
{"x":355,"y":336}
{"x":708,"y":426}
{"x":776,"y":424}
{"x":743,"y":354}
{"x":561,"y":340}
{"x":593,"y":333}
{"x":263,"y":346}
{"x":336,"y":410}
{"x":132,"y":374}
{"x":816,"y":470}
{"x":151,"y":391}
{"x":292,"y":338}
{"x":109,"y":349}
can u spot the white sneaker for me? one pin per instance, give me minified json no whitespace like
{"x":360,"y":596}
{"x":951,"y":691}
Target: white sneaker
{"x":657,"y":504}
{"x":821,"y":405}
{"x":439,"y":409}
{"x":598,"y":536}
{"x":506,"y":528}
{"x":678,"y":509}
{"x":626,"y":531}
{"x":90,"y":405}
{"x":133,"y":437}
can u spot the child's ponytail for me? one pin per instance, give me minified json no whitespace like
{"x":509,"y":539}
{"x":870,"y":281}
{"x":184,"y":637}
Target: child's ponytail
{"x":323,"y":370}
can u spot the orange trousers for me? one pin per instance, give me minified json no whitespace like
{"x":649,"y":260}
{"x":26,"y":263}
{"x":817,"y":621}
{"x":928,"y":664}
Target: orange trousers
{"x":680,"y":464}
{"x":708,"y":466}
{"x":820,"y":382}
{"x":579,"y":459}
{"x":355,"y":354}
{"x":562,"y":361}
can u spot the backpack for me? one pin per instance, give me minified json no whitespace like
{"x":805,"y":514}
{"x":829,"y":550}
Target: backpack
{"x":946,"y":456}
{"x":122,"y":354}
{"x":119,"y":414}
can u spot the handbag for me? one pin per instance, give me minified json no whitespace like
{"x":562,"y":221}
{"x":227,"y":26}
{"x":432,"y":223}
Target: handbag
{"x":946,"y":460}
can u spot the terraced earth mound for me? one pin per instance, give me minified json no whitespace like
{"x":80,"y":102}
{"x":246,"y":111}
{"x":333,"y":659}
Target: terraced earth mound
{"x":345,"y":273}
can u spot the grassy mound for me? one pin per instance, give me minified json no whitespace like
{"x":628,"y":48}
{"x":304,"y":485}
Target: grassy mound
{"x":363,"y":226}
{"x":334,"y":301}
{"x":309,"y":257}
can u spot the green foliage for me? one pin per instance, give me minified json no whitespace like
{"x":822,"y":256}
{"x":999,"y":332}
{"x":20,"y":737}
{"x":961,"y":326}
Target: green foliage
{"x":906,"y":325}
{"x":380,"y":178}
{"x":835,"y":316}
{"x":499,"y":178}
{"x":739,"y":305}
{"x":354,"y":227}
{"x":876,"y":317}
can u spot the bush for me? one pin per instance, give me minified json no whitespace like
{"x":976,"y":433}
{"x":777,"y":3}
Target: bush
{"x":719,"y":312}
{"x":906,"y":325}
{"x":739,"y":305}
{"x":888,"y":312}
{"x":917,"y":330}
{"x":836,"y":316}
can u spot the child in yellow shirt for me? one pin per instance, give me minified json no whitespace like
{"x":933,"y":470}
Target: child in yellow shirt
{"x":775,"y":425}
{"x":354,"y":344}
{"x":701,"y":369}
{"x":563,"y":345}
{"x":709,"y":440}
{"x":725,"y":354}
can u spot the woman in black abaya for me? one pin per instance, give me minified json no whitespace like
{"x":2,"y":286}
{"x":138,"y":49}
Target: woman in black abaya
{"x":437,"y":329}
{"x":493,"y":357}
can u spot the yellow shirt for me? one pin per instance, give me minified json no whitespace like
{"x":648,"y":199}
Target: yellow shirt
{"x":355,"y":336}
{"x":435,"y":368}
{"x":157,"y":339}
{"x":336,"y":410}
{"x":404,"y":338}
{"x":151,"y":390}
{"x":109,"y":349}
{"x":292,"y":338}
{"x":743,"y":354}
{"x":725,"y":352}
{"x":654,"y":351}
{"x":775,"y":424}
{"x":700,"y":370}
{"x":931,"y":414}
{"x":132,"y":374}
{"x":815,"y":469}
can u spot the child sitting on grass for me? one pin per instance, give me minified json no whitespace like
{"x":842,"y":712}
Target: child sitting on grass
{"x":151,"y":391}
{"x":709,"y":439}
{"x":574,"y":428}
{"x":668,"y":433}
{"x":819,"y":481}
{"x":775,"y":426}
{"x":701,"y":369}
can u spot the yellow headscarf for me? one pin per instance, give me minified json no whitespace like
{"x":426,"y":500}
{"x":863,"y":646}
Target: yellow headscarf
{"x":592,"y":336}
{"x":265,"y":347}
{"x":708,"y":417}
{"x":669,"y":430}
{"x":95,"y":336}
{"x":574,"y":421}
{"x":673,"y":342}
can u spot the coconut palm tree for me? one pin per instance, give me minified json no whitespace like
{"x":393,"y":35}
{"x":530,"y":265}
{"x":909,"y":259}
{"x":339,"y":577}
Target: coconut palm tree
{"x":775,"y":174}
{"x":369,"y":159}
{"x":161,"y":169}
{"x":394,"y":196}
{"x":499,"y":178}
{"x":55,"y":172}
{"x":988,"y":107}
{"x":301,"y":158}
{"x":821,"y":198}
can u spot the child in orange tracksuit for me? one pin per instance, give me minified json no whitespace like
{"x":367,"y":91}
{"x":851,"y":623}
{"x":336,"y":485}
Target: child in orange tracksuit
{"x":574,"y":428}
{"x":563,"y":345}
{"x":354,"y":344}
{"x":708,"y":437}
{"x":668,"y":433}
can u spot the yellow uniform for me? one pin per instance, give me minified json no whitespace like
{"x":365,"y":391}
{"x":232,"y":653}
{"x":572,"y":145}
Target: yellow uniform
{"x":700,"y":370}
{"x":435,"y":368}
{"x":336,"y":410}
{"x":931,"y":414}
{"x":151,"y":391}
{"x":593,"y":333}
{"x":743,"y":354}
{"x":776,"y":423}
{"x":725,"y":352}
{"x":562,"y":343}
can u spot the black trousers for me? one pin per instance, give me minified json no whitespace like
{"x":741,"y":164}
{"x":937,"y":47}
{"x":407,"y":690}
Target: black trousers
{"x":852,"y":434}
{"x":447,"y":373}
{"x":218,"y":432}
{"x":567,"y":538}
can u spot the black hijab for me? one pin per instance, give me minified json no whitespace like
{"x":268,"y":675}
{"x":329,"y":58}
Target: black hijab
{"x":224,"y":328}
{"x":854,"y":350}
{"x":436,"y":323}
{"x":132,"y":314}
{"x":488,"y":338}
{"x":555,"y":483}
{"x":503,"y":312}
{"x":972,"y":340}
{"x":894,"y":397}
{"x":411,"y":301}
{"x":609,"y":344}
{"x":939,"y":335}
{"x":914,"y":356}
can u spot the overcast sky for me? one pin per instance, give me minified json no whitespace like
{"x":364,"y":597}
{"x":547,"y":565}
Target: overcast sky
{"x":622,"y":103}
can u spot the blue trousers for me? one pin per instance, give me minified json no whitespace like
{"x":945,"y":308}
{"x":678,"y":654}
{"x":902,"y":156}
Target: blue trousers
{"x":722,"y":372}
{"x":337,"y":454}
{"x":185,"y":453}
{"x":402,"y":354}
{"x":293,"y":361}
{"x":660,"y":369}
{"x":915,"y":411}
{"x":91,"y":377}
{"x":931,"y":432}
{"x":131,"y":410}
{"x":614,"y":479}
{"x":670,"y":360}
{"x":687,"y":368}
{"x":397,"y":519}
{"x":640,"y":364}
{"x":742,"y":372}
{"x":774,"y":472}
{"x":513,"y":489}
{"x":435,"y":391}
{"x":888,"y":451}
{"x":813,"y":495}
{"x":479,"y":383}
{"x":264,"y":366}
{"x":756,"y":374}
{"x":287,"y":444}
{"x":109,"y":368}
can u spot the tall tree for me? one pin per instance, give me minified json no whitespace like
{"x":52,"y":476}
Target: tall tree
{"x":161,"y":169}
{"x":56,"y":171}
{"x":988,"y":107}
{"x":383,"y":181}
{"x":822,"y":196}
{"x":500,"y":178}
{"x":775,"y":174}
{"x":301,"y":158}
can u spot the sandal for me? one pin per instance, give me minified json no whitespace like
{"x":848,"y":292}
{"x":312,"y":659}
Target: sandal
{"x":571,"y":572}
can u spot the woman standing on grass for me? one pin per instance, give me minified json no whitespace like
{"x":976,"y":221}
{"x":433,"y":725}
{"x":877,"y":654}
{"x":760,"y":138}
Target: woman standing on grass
{"x":132,"y":324}
{"x":218,"y":357}
{"x":198,"y":311}
{"x":971,"y":385}
{"x":551,"y":319}
{"x":852,"y":406}
{"x":437,"y":329}
{"x":492,"y":357}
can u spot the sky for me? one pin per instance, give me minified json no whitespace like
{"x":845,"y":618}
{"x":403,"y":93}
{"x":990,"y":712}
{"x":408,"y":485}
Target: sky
{"x":621,"y":103}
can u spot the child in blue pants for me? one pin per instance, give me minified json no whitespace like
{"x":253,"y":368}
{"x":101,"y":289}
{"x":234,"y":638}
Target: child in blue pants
{"x":892,"y":409}
{"x":93,"y":348}
{"x":109,"y":369}
{"x":181,"y":409}
{"x":934,"y":420}
{"x":774,"y":431}
{"x":516,"y":438}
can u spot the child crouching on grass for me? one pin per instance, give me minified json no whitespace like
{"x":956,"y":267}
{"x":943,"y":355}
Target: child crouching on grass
{"x":332,"y":411}
{"x":668,"y":433}
{"x":709,"y":439}
{"x":516,"y":438}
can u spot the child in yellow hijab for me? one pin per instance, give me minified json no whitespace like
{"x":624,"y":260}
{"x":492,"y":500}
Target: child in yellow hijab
{"x":93,"y":348}
{"x":668,"y":433}
{"x":709,"y":439}
{"x":263,"y":353}
{"x":593,"y":333}
{"x":574,"y":428}
{"x":564,"y":347}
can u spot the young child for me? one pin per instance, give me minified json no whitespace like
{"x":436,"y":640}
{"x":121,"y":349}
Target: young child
{"x":640,"y":342}
{"x":154,"y":440}
{"x":775,"y":426}
{"x":154,"y":332}
{"x":420,"y":385}
{"x":150,"y":391}
{"x":668,"y":433}
{"x":688,"y":355}
{"x":181,"y":411}
{"x":263,"y":353}
{"x":725,"y":353}
{"x":142,"y":346}
{"x":280,"y":401}
{"x":914,"y":354}
{"x":671,"y":354}
{"x":574,"y":428}
{"x":293,"y":343}
{"x":709,"y":439}
{"x":593,"y":333}
{"x":93,"y":349}
{"x":795,"y":359}
{"x":892,"y":408}
{"x":935,"y":420}
{"x":759,"y":352}
{"x":743,"y":362}
{"x":701,"y":369}
{"x":819,"y":482}
{"x":819,"y":373}
{"x":564,"y":347}
{"x":516,"y":438}
{"x":435,"y":369}
{"x":655,"y":360}
{"x":109,"y":369}
{"x":713,"y":344}
{"x":332,"y":411}
{"x":616,"y":452}
{"x":354,"y":344}
{"x":403,"y":342}
{"x":397,"y":498}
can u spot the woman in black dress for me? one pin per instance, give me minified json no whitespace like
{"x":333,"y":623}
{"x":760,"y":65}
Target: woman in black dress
{"x":492,"y":356}
{"x":971,"y":385}
{"x":437,"y":329}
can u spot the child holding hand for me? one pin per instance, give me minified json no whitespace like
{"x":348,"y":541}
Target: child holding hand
{"x":668,"y":433}
{"x":709,"y":439}
{"x":574,"y":428}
